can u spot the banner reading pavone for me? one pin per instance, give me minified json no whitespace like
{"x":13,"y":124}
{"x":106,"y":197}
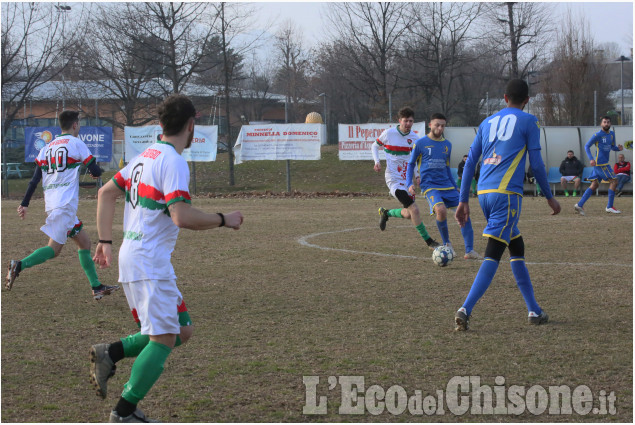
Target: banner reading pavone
{"x":278,"y":142}
{"x":355,"y":140}
{"x":203,"y":149}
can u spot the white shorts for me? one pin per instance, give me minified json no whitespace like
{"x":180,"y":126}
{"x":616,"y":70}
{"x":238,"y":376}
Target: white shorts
{"x":569,"y":178}
{"x":156,"y":303}
{"x":61,"y":223}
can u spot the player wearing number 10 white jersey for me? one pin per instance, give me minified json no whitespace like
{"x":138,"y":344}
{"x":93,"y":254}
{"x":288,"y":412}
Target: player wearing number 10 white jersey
{"x":58,"y":166}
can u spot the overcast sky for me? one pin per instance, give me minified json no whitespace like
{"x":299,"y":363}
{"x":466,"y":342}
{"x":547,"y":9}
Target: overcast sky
{"x":608,"y":21}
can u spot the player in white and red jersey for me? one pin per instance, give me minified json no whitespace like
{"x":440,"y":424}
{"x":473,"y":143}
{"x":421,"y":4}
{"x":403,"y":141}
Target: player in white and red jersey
{"x":155,"y":185}
{"x":58,"y":166}
{"x":397,"y":145}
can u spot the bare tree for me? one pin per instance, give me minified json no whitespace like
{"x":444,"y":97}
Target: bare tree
{"x":437,"y":50}
{"x":291,"y":76}
{"x":35,"y":36}
{"x":372,"y":32}
{"x":524,"y":32}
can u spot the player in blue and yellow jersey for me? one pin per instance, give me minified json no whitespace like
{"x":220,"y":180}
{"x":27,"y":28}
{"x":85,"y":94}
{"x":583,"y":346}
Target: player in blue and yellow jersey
{"x":604,"y":141}
{"x":431,"y":154}
{"x":504,"y":139}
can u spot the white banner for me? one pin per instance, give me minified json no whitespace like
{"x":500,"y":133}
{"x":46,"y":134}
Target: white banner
{"x":355,"y":140}
{"x":278,"y":142}
{"x":203,"y":149}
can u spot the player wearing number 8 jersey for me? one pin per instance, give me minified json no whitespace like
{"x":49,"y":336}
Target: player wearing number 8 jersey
{"x":58,"y":167}
{"x":504,"y":140}
{"x":155,"y":185}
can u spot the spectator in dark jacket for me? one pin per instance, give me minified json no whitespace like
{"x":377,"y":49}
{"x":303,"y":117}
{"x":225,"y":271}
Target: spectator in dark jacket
{"x":571,"y":169}
{"x":459,"y":172}
{"x":622,"y":170}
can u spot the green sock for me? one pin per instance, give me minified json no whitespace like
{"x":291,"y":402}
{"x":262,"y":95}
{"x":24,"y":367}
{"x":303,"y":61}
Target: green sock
{"x":134,"y":344}
{"x":89,"y":267}
{"x":575,"y":193}
{"x":395,"y":213}
{"x":145,"y":371}
{"x":566,"y":193}
{"x":421,"y":228}
{"x":38,"y":256}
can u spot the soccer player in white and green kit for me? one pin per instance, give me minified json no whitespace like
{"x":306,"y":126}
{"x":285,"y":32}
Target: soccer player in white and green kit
{"x":397,"y":144}
{"x":58,"y":167}
{"x":157,"y":205}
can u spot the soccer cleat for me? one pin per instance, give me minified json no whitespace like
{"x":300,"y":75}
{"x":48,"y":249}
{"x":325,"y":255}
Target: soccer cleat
{"x":613,"y":211}
{"x":535,"y":319}
{"x":578,"y":209}
{"x":432,"y":244}
{"x":461,"y":319}
{"x":15,"y":267}
{"x":102,"y":290}
{"x":472,"y":255}
{"x":135,"y":417}
{"x":102,"y":368}
{"x":566,"y":193}
{"x":383,"y":218}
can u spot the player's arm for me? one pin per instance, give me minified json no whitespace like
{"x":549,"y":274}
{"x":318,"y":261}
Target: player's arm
{"x":374,"y":148}
{"x":106,"y":201}
{"x":35,"y":180}
{"x":412,"y":165}
{"x":94,"y":169}
{"x":587,"y":149}
{"x":185,"y":216}
{"x":538,"y":168}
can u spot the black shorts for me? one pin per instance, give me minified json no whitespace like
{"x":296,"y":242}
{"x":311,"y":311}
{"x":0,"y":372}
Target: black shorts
{"x":404,"y":197}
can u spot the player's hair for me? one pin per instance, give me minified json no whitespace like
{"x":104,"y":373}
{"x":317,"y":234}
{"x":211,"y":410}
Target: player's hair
{"x":605,"y":117}
{"x":438,"y":116}
{"x":571,"y":151}
{"x":406,"y":112}
{"x":67,"y":119}
{"x":174,"y":113}
{"x":517,"y":91}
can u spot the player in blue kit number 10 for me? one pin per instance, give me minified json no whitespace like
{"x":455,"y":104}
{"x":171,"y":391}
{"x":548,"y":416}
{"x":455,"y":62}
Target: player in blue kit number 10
{"x":504,"y":140}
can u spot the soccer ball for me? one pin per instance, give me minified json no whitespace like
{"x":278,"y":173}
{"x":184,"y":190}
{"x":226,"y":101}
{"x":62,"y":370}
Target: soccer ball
{"x":442,"y":256}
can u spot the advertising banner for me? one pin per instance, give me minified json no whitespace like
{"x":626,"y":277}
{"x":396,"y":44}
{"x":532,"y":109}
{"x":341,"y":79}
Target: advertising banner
{"x":97,"y":139}
{"x":203,"y":148}
{"x":355,"y":140}
{"x":278,"y":142}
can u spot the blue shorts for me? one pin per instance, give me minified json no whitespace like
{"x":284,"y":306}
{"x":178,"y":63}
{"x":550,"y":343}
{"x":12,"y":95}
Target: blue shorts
{"x":601,"y":172}
{"x":450,"y":198}
{"x":502,"y":212}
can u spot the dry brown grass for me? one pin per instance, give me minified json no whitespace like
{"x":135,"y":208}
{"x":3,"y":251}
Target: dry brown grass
{"x":268,"y":310}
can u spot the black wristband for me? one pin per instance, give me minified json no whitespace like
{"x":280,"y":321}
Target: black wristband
{"x":102,"y":241}
{"x":222,"y":219}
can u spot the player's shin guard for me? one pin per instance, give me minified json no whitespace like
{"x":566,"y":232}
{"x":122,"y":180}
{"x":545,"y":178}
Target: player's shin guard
{"x":38,"y":256}
{"x":468,"y":235}
{"x":587,"y":194}
{"x":521,"y":274}
{"x":133,"y":345}
{"x":421,"y":228}
{"x":89,"y":267}
{"x":611,"y":198}
{"x":443,"y":230}
{"x":483,"y":279}
{"x":145,"y":371}
{"x":395,"y":213}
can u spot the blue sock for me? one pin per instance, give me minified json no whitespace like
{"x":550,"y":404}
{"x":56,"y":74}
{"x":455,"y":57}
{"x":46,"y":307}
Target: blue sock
{"x":443,"y":230}
{"x":611,"y":198}
{"x":481,"y":283}
{"x":468,"y":235}
{"x":521,"y":274}
{"x":585,"y":197}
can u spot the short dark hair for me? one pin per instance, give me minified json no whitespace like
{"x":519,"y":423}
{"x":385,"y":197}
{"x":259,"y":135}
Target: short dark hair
{"x":67,"y":119}
{"x":517,"y":91}
{"x":174,"y":113}
{"x":438,"y":116}
{"x":570,"y":151}
{"x":406,"y":112}
{"x":605,"y":117}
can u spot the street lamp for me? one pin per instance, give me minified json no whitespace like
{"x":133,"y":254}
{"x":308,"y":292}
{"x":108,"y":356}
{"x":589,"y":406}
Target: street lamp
{"x":622,"y":59}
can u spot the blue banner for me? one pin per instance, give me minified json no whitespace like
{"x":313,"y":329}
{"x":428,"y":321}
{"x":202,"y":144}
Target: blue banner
{"x":97,"y":139}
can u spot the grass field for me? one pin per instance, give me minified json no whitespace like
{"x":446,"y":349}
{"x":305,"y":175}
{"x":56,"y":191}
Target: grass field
{"x":311,"y":287}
